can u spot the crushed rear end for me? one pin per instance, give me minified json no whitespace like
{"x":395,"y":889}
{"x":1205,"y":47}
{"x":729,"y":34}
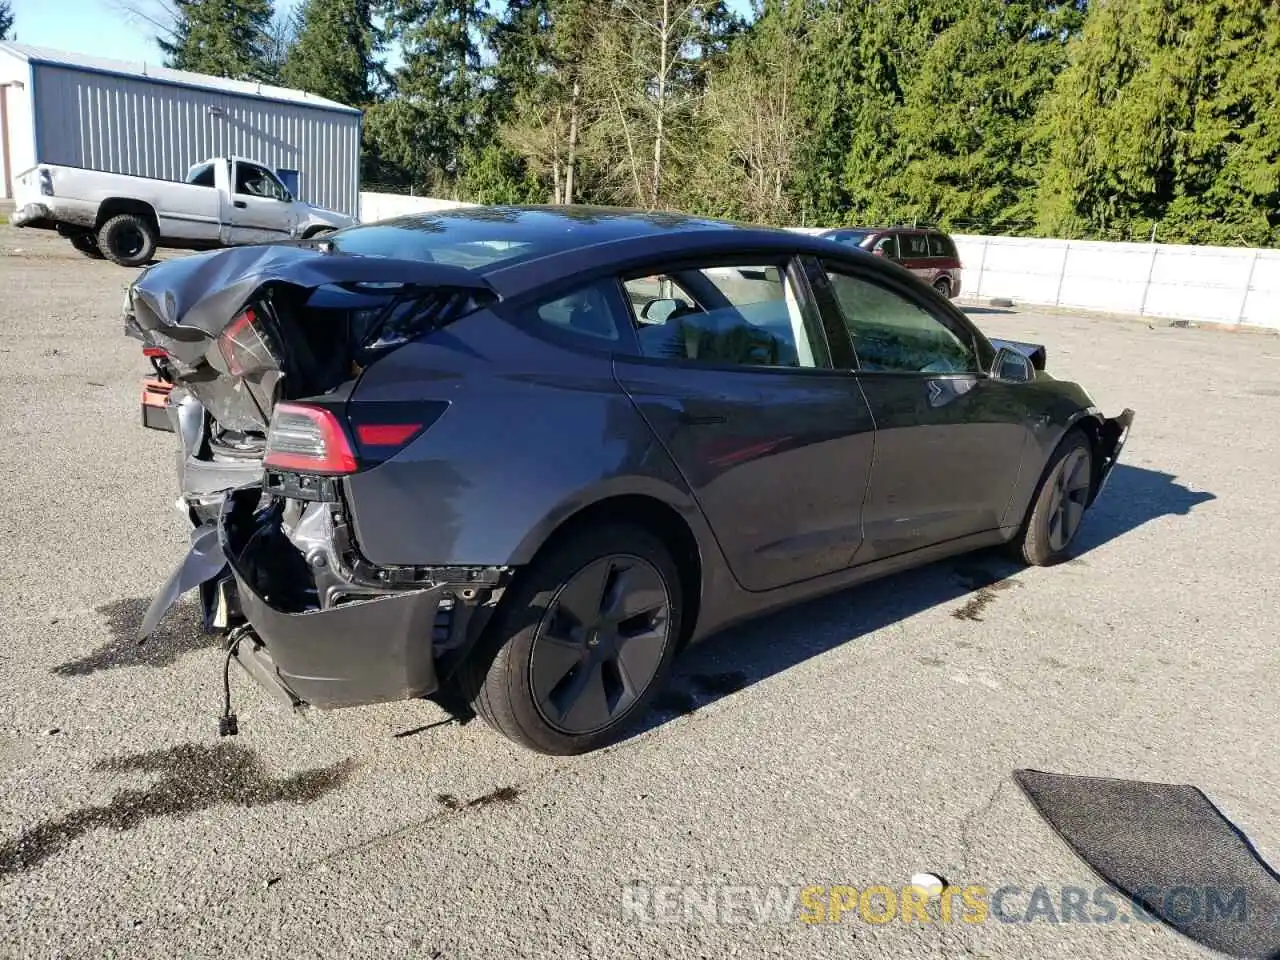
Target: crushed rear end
{"x":257,"y":353}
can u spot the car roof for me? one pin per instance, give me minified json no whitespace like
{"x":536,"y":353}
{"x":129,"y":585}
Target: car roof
{"x":520,"y":248}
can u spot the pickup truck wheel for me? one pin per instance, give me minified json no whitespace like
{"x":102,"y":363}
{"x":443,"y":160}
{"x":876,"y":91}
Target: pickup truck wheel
{"x":86,"y":244}
{"x":582,"y":640}
{"x":128,"y":240}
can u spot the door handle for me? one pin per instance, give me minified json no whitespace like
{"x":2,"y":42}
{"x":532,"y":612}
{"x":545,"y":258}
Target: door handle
{"x":241,"y":204}
{"x":689,"y":420}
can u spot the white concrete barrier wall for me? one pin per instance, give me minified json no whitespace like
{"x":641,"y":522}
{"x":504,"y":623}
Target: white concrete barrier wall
{"x":381,"y":206}
{"x":1235,"y":285}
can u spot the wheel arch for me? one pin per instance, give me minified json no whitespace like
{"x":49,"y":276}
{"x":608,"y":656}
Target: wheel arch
{"x":114,"y":206}
{"x":645,"y":508}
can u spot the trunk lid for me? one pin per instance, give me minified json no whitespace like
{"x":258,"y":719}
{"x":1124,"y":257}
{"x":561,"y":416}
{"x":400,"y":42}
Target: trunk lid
{"x":248,"y":327}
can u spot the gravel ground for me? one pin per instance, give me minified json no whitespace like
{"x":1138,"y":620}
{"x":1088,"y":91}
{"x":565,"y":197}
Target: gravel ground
{"x":856,"y":740}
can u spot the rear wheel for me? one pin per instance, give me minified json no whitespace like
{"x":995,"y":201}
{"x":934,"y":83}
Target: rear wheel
{"x":86,"y":244}
{"x":128,"y":240}
{"x":1060,"y":503}
{"x":943,"y":286}
{"x":581,"y":643}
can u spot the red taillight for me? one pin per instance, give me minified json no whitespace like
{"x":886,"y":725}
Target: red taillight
{"x":155,"y":353}
{"x":306,"y":439}
{"x":386,"y":434}
{"x":243,"y":347}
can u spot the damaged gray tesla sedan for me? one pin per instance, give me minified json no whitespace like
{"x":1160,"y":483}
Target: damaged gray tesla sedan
{"x":514,"y":459}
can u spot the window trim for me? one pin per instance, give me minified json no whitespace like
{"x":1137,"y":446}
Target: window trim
{"x":791,"y":273}
{"x":949,"y":317}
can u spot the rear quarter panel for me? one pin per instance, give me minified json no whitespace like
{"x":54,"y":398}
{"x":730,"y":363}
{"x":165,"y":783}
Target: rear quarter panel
{"x":534,"y":432}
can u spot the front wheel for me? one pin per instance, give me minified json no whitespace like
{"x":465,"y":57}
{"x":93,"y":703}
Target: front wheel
{"x":581,"y":644}
{"x":1060,"y":503}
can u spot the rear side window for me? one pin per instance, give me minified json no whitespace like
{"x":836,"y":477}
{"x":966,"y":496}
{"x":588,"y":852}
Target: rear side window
{"x":940,"y":246}
{"x":914,"y":246}
{"x":585,"y":315}
{"x":201,"y":176}
{"x":724,"y":315}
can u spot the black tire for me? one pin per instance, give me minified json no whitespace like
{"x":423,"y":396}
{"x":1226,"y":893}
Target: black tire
{"x":499,"y":678}
{"x":127,"y":239}
{"x":86,"y":244}
{"x":1060,"y":502}
{"x":943,"y":286}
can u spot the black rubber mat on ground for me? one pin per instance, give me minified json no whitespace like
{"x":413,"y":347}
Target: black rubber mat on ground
{"x":1169,"y":850}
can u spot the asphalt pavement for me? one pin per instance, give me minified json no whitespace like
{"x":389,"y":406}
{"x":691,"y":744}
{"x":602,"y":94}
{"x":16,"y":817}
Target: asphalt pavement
{"x":852,"y":742}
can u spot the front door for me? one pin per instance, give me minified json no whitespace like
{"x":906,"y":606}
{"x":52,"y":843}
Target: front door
{"x":949,"y":440}
{"x":734,"y":378}
{"x":260,"y":207}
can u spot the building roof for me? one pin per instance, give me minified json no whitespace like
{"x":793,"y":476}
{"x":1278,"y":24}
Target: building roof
{"x":158,"y":74}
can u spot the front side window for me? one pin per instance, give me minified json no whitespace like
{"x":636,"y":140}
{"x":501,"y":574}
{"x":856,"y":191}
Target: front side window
{"x":254,"y":181}
{"x":892,"y":334}
{"x":886,"y":247}
{"x":736,"y":315}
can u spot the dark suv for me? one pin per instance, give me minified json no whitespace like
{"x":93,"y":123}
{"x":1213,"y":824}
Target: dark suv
{"x":929,"y":254}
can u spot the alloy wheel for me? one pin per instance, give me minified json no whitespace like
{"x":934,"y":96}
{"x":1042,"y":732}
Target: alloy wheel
{"x":600,"y":644}
{"x":1070,"y":485}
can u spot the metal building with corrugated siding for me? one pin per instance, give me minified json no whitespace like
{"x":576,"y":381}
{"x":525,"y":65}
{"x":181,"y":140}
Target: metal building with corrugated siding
{"x":149,"y":121}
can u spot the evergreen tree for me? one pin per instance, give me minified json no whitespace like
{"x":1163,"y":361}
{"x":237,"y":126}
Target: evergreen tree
{"x":437,"y":110}
{"x":1167,"y":121}
{"x":225,"y":38}
{"x":967,"y":129}
{"x":335,"y":54}
{"x":6,"y":19}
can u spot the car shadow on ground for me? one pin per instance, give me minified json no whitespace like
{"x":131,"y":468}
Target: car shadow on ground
{"x":747,"y":654}
{"x":982,"y":310}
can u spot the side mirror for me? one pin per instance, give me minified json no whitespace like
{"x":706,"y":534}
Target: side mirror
{"x":658,"y":311}
{"x":1013,"y":367}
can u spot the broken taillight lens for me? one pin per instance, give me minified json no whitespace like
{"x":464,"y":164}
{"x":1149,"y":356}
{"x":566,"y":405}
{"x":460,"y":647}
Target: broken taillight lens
{"x":243,"y":346}
{"x":155,"y":353}
{"x":307,"y":439}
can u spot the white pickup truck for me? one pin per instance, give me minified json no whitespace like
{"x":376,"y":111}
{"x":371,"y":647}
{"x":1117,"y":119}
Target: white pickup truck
{"x":224,"y":202}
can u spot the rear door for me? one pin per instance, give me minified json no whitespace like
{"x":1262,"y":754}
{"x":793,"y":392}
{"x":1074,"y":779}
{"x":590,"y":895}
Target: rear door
{"x":261,"y":211}
{"x":913,"y":253}
{"x":949,"y":440}
{"x":734,"y":376}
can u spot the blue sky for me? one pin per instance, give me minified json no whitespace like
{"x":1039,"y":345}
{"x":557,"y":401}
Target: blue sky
{"x":104,"y":28}
{"x":100,"y":28}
